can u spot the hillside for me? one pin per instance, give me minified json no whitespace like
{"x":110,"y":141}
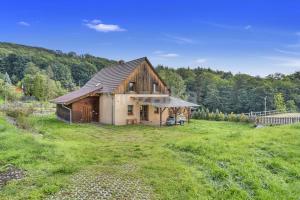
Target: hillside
{"x":67,"y":67}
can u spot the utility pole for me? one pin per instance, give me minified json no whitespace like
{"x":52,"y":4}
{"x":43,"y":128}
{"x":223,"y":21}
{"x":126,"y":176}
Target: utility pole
{"x":265,"y":105}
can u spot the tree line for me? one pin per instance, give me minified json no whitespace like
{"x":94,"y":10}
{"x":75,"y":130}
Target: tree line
{"x":46,"y":74}
{"x":238,"y":93}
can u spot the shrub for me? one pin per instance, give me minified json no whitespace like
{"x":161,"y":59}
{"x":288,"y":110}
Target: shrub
{"x":231,"y":117}
{"x":16,"y":112}
{"x":221,"y":116}
{"x":244,"y":118}
{"x":22,"y":122}
{"x":237,"y":118}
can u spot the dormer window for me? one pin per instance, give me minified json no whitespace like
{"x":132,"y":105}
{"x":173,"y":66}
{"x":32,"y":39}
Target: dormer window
{"x":131,"y":87}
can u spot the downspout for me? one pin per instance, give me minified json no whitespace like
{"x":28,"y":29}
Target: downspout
{"x":70,"y":110}
{"x":112,"y":110}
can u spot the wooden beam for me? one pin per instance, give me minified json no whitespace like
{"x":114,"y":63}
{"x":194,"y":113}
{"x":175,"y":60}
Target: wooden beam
{"x":189,"y":113}
{"x":160,"y":117}
{"x":175,"y":116}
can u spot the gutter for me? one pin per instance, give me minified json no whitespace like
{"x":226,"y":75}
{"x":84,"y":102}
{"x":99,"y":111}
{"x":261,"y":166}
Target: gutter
{"x":70,"y":110}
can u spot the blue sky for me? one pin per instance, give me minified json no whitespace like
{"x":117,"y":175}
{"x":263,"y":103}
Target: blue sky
{"x":249,"y":36}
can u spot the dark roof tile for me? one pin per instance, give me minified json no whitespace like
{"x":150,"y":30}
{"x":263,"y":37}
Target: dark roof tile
{"x":105,"y":81}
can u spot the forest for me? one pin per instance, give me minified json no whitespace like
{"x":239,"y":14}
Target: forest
{"x":45,"y":74}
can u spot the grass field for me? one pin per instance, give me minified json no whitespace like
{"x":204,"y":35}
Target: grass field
{"x":201,"y":160}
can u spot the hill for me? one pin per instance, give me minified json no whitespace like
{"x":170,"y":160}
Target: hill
{"x":69,"y":68}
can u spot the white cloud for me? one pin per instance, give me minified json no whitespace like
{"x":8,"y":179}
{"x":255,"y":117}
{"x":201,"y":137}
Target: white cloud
{"x":158,"y":52}
{"x":164,"y":54}
{"x":96,"y":21}
{"x":180,"y":39}
{"x":201,"y":60}
{"x":287,"y":52}
{"x":22,"y":23}
{"x":248,"y":27}
{"x":101,"y":27}
{"x":169,"y":55}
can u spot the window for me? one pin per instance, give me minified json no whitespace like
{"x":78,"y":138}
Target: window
{"x":131,"y":86}
{"x":156,"y":110}
{"x":130,"y":110}
{"x":154,"y":87}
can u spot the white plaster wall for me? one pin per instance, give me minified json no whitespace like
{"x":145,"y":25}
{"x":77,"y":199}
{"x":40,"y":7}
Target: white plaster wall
{"x":121,"y":109}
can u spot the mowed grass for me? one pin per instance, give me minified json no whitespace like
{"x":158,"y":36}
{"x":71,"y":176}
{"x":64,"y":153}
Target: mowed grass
{"x":201,"y":160}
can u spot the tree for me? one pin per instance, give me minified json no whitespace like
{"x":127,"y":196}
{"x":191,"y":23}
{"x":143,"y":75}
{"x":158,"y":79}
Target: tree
{"x":291,"y":106}
{"x":41,"y":86}
{"x":174,"y":82}
{"x":28,"y":84}
{"x":279,"y":102}
{"x":14,"y":65}
{"x":62,"y":73}
{"x":7,"y":80}
{"x":83,"y":72}
{"x":31,"y":68}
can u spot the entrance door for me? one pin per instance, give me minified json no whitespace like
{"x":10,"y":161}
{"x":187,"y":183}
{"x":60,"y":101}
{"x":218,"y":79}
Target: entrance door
{"x":86,"y":113}
{"x":144,"y":113}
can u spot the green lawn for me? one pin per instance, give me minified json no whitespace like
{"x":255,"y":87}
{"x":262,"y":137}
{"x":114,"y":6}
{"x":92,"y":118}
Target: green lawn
{"x":201,"y":160}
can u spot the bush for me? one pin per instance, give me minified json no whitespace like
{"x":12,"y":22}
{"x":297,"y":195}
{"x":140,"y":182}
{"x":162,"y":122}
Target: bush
{"x":219,"y":116}
{"x":22,"y":122}
{"x":232,"y":117}
{"x":244,"y":118}
{"x":16,"y":112}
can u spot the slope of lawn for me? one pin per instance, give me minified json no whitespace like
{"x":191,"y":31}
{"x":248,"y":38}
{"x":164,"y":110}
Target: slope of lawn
{"x":201,"y":160}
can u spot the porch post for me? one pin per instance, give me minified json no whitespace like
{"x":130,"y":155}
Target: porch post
{"x":175,"y":116}
{"x":189,"y":113}
{"x":160,"y":116}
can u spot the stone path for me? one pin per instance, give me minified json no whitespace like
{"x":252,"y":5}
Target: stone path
{"x":90,"y":185}
{"x":10,"y":173}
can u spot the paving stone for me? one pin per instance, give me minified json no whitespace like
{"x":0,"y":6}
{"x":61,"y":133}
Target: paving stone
{"x":88,"y":185}
{"x":10,"y":173}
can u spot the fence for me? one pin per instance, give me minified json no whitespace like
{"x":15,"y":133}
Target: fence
{"x":277,"y":120}
{"x":274,"y":117}
{"x":265,"y":113}
{"x":38,"y":108}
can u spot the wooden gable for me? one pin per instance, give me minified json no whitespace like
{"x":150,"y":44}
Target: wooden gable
{"x":144,"y":77}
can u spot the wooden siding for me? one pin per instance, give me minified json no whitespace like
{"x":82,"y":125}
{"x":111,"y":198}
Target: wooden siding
{"x":144,"y":77}
{"x":86,"y":110}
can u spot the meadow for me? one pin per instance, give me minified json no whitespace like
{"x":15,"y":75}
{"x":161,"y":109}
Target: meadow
{"x":200,"y":160}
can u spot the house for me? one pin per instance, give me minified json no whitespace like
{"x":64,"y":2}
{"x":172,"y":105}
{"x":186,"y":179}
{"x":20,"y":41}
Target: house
{"x":126,"y":93}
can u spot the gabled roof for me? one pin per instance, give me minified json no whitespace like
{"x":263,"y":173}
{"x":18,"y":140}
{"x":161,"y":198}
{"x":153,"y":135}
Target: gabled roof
{"x":105,"y":81}
{"x":111,"y":77}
